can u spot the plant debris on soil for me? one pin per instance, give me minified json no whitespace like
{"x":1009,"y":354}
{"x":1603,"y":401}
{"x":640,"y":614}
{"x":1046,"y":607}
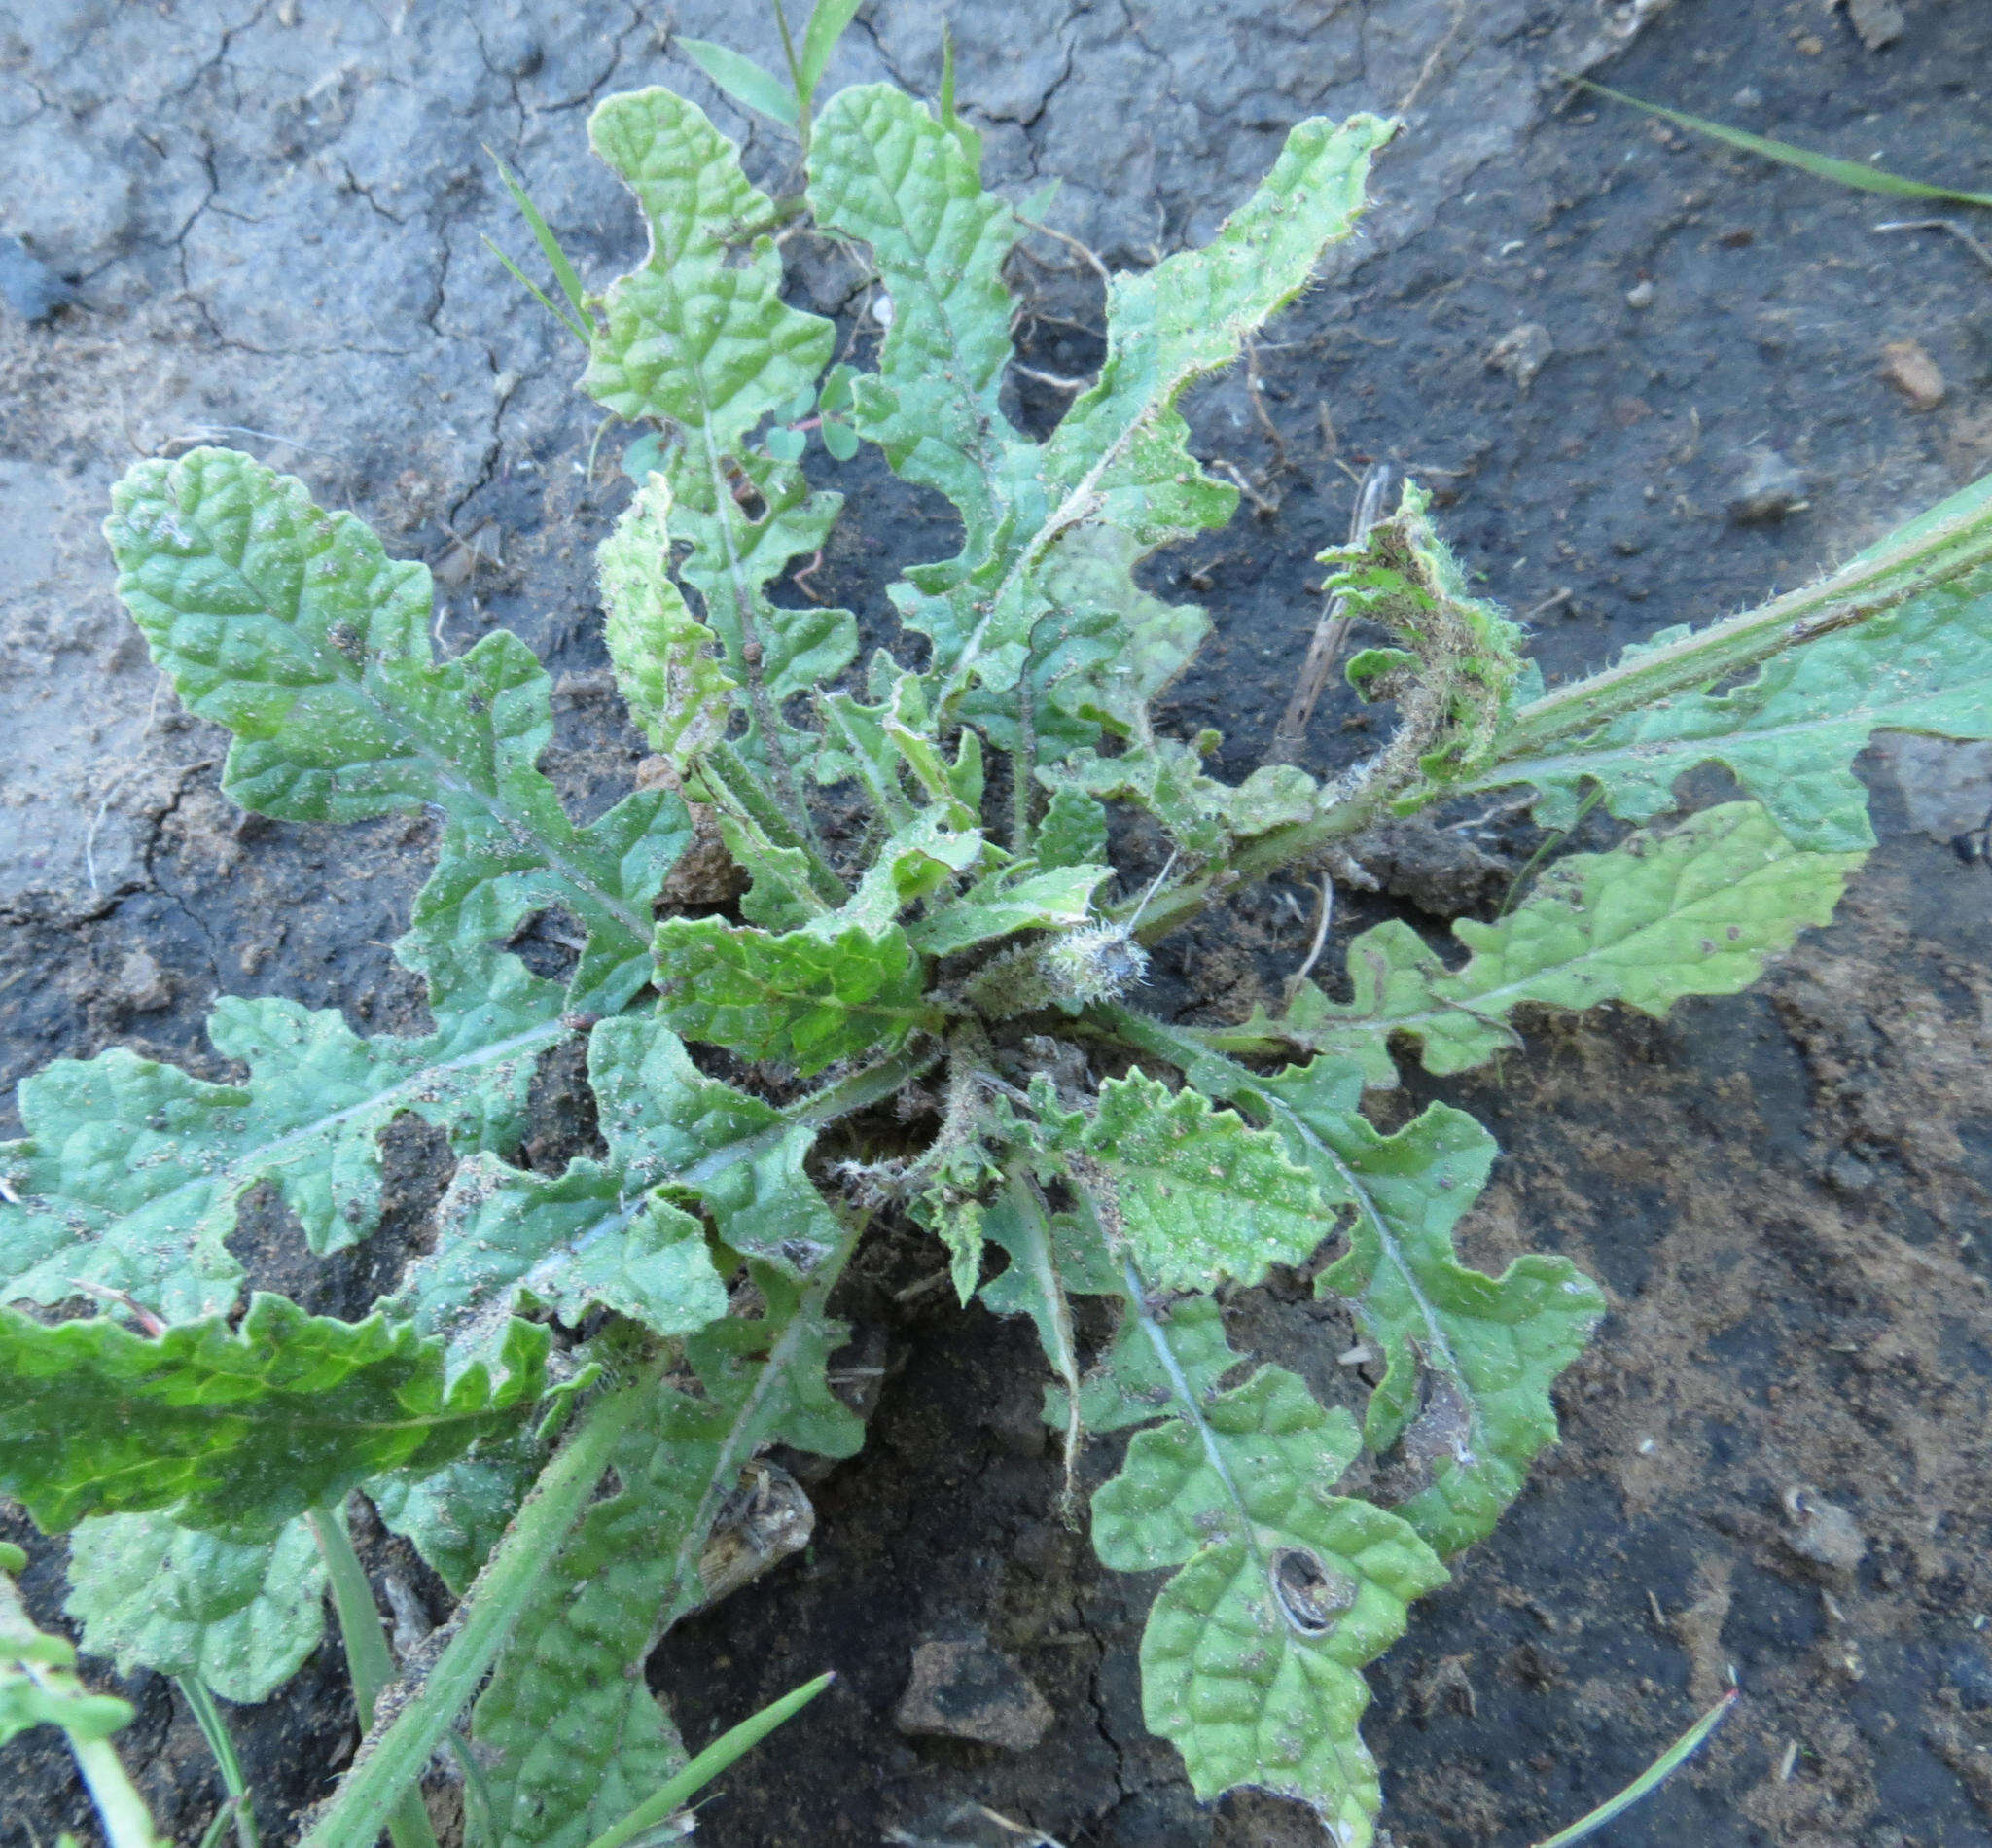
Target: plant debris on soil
{"x":1648,"y":381}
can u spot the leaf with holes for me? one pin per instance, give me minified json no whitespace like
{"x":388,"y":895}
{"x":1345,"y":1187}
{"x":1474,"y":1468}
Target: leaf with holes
{"x":1250,"y":1657}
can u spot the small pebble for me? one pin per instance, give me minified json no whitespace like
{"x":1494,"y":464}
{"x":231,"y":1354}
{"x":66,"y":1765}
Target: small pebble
{"x":1768,"y":487}
{"x":142,"y":984}
{"x":1823,"y":1531}
{"x":1910,"y":368}
{"x":969,"y":1690}
{"x":1971,"y":1674}
{"x":1879,"y":22}
{"x":1521,"y":353}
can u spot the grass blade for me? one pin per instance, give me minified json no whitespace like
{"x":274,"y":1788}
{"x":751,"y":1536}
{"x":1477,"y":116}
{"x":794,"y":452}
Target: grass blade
{"x":709,"y":1764}
{"x":215,"y":1730}
{"x":550,"y":245}
{"x":1648,"y":1781}
{"x":743,"y":80}
{"x":828,"y":24}
{"x":1857,"y":174}
{"x":538,"y":294}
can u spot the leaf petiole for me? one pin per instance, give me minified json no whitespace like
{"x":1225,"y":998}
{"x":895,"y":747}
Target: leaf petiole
{"x":391,"y":1759}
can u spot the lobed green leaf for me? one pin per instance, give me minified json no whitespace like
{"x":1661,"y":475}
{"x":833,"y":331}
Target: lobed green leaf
{"x":1469,"y":1359}
{"x":676,"y":691}
{"x":292,"y":627}
{"x":131,"y":1172}
{"x":616,"y":1233}
{"x":1201,"y":1197}
{"x":699,"y":338}
{"x":1696,"y":910}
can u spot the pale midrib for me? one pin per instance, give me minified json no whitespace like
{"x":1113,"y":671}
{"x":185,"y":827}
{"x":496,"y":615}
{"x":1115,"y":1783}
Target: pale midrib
{"x":1391,"y":1253}
{"x":246,"y":1167}
{"x":1082,"y":501}
{"x":1498,"y":1000}
{"x":446,"y":774}
{"x":1186,"y":1396}
{"x":1711,"y":743}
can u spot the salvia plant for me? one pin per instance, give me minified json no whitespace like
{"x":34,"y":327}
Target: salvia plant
{"x":933,"y":1011}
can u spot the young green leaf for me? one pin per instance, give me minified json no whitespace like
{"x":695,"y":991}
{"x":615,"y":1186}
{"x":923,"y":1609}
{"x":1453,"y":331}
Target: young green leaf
{"x":829,"y":20}
{"x":237,"y":1431}
{"x":1056,"y":900}
{"x":1790,"y":734}
{"x":240,"y":1618}
{"x":677,"y":691}
{"x":1201,"y":1196}
{"x":1402,"y":576}
{"x":805,"y":999}
{"x":1072,"y":832}
{"x":1250,"y":1657}
{"x":132,"y":1171}
{"x":1694,"y":912}
{"x":699,"y":337}
{"x":292,"y":627}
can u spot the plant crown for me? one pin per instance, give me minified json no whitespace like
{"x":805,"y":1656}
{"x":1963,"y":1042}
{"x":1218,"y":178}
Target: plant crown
{"x":971,"y":948}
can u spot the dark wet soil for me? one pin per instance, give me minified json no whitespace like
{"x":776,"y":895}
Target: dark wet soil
{"x":1786,"y":1194}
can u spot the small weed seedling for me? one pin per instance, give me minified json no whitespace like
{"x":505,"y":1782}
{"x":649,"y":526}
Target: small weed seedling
{"x":931,"y":1011}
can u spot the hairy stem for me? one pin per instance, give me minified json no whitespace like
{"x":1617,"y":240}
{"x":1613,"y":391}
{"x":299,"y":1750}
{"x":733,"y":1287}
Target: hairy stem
{"x":392,"y":1755}
{"x":1953,"y":539}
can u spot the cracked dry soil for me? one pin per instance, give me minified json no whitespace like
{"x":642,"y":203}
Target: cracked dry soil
{"x":271,"y":212}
